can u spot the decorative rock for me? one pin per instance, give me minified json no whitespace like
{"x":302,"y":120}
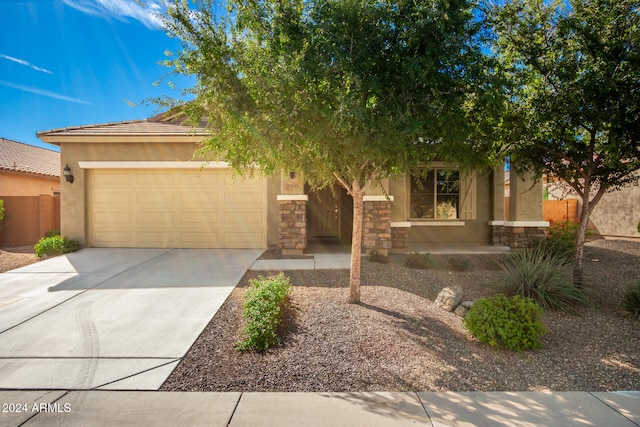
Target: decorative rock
{"x":467,"y":304}
{"x":461,"y":311}
{"x":449,"y":298}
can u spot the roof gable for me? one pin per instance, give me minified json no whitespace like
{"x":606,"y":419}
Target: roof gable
{"x":20,"y":157}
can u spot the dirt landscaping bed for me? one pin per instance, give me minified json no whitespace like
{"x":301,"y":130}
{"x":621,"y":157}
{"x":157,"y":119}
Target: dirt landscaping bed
{"x":15,"y":257}
{"x":397,"y":340}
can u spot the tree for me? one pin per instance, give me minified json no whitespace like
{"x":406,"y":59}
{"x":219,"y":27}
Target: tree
{"x":574,"y":108}
{"x":347,"y":91}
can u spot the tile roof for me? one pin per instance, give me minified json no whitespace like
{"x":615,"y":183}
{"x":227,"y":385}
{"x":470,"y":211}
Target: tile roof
{"x":157,"y":125}
{"x":20,"y":157}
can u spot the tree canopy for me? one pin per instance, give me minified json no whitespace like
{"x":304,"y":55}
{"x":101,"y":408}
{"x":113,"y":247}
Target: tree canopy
{"x":351,"y":91}
{"x":574,"y":105}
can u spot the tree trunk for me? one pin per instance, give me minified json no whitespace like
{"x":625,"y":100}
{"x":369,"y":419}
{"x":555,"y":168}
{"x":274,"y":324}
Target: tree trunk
{"x":581,"y":236}
{"x":356,"y":243}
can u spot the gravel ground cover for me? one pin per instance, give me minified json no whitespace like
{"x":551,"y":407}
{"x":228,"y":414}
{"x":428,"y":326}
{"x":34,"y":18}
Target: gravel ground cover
{"x":397,"y":340}
{"x":16,"y":257}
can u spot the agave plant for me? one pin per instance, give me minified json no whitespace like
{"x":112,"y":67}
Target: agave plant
{"x":534,"y":273}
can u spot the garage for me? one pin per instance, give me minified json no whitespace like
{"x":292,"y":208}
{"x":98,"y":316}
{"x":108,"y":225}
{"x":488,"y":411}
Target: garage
{"x":175,"y":208}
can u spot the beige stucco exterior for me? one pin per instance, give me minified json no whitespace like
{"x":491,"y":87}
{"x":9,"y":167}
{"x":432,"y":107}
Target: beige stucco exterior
{"x":26,"y":184}
{"x":481,"y":193}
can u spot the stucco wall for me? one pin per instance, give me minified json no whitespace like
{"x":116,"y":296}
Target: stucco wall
{"x":618,"y":213}
{"x":23,"y":184}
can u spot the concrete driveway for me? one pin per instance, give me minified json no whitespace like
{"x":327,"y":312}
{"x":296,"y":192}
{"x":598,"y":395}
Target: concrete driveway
{"x":111,"y":319}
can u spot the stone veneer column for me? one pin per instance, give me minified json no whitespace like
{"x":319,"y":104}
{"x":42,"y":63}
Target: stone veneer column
{"x":400,"y":236}
{"x":293,"y":224}
{"x":376,"y":232}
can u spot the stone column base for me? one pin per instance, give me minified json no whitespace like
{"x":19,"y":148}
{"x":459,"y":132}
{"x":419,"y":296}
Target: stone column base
{"x":517,"y":234}
{"x":293,"y":224}
{"x":400,"y":236}
{"x":376,"y":232}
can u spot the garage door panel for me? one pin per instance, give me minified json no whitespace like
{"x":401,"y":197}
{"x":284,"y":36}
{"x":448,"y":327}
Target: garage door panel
{"x":200,"y":218}
{"x":243,"y":198}
{"x":201,"y":198}
{"x":176,"y":208}
{"x":114,"y":179}
{"x":200,"y":237}
{"x":243,"y":218}
{"x":113,"y":238}
{"x":110,"y":198}
{"x":243,"y":239}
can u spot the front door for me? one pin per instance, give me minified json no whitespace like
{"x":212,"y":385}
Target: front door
{"x":323,"y":214}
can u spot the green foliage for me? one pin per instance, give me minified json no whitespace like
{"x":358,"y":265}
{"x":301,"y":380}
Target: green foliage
{"x":562,"y":234}
{"x":631,"y":299}
{"x":574,"y":82}
{"x":532,"y":273}
{"x":52,"y":233}
{"x":2,"y":210}
{"x":638,"y":226}
{"x":459,"y":264}
{"x":514,"y":323}
{"x":421,"y":261}
{"x":375,"y":256}
{"x":55,"y":245}
{"x":263,"y":309}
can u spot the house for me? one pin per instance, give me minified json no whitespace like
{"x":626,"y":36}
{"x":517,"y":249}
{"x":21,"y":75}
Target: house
{"x":29,"y":188}
{"x":617,"y":214}
{"x":26,"y":170}
{"x":136,"y":184}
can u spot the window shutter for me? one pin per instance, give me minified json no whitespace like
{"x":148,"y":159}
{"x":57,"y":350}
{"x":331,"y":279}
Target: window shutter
{"x":468,"y":196}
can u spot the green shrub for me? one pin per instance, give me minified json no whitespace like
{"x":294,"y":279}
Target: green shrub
{"x":514,"y":323}
{"x":52,"y":233}
{"x":375,"y":256}
{"x":55,"y":245}
{"x":417,"y":260}
{"x":638,"y":226}
{"x":459,"y":264}
{"x":2,"y":211}
{"x":631,"y":299}
{"x":532,"y":273}
{"x":262,"y":310}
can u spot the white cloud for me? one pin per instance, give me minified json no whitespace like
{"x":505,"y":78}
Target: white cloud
{"x":25,"y":63}
{"x":44,"y":93}
{"x":121,"y":9}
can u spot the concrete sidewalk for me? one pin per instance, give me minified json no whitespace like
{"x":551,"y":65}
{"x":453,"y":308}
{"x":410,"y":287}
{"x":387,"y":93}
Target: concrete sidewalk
{"x":432,"y":409}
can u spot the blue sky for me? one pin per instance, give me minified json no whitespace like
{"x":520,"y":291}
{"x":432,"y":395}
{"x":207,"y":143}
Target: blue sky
{"x":78,"y":62}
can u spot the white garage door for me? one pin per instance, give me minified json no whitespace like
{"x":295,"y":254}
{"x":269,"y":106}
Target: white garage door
{"x":181,"y":208}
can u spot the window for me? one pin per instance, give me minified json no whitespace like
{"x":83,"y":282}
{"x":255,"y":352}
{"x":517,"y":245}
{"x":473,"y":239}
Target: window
{"x":436,"y":195}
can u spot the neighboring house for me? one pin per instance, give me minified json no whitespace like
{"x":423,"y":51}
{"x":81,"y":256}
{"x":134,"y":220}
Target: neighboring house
{"x":616,"y":215}
{"x":137,"y":185}
{"x":26,"y":170}
{"x":29,"y":187}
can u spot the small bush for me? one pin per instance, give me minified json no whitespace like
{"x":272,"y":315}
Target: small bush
{"x":2,"y":211}
{"x":514,"y":323}
{"x":631,"y":299}
{"x":563,"y":234}
{"x":375,"y":256}
{"x":417,"y":260}
{"x":52,"y":233}
{"x":459,"y":264}
{"x":532,"y":273}
{"x":262,"y":311}
{"x":55,"y":245}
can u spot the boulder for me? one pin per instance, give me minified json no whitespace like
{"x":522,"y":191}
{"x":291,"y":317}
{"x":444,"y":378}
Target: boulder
{"x":449,"y":298}
{"x":467,"y":304}
{"x":461,"y":310}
